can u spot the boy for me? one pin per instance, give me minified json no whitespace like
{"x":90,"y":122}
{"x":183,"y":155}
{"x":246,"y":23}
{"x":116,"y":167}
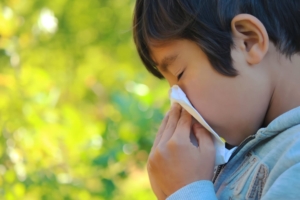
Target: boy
{"x":238,"y":63}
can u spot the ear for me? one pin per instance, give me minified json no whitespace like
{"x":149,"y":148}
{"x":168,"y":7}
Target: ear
{"x":251,"y":37}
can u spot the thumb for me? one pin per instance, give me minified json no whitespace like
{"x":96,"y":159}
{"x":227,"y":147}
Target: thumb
{"x":204,"y":137}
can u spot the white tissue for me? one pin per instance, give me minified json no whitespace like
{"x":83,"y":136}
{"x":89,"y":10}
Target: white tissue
{"x":222,"y":154}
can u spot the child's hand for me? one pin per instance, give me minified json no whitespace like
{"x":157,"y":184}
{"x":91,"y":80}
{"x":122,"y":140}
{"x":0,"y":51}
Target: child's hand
{"x":174,"y":161}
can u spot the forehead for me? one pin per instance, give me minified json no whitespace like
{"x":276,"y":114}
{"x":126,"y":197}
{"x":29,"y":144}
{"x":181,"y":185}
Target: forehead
{"x":164,"y":53}
{"x":158,"y":50}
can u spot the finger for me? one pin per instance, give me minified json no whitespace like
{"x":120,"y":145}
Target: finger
{"x":204,"y":137}
{"x":174,"y":115}
{"x":183,"y":128}
{"x":206,"y":147}
{"x":160,"y":130}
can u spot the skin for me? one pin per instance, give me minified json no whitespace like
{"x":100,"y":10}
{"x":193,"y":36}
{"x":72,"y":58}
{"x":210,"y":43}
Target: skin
{"x":235,"y":107}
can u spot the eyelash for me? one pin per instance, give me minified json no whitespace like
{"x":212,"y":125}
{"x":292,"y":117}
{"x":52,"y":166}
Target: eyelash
{"x":180,"y":75}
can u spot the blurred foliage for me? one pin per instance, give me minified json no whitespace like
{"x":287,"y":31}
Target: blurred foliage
{"x":78,"y":110}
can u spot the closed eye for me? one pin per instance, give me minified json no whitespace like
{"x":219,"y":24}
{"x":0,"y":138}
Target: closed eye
{"x":179,"y":76}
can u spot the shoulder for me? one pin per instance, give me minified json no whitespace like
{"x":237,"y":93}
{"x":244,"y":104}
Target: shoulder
{"x":284,"y":146}
{"x":281,"y":155}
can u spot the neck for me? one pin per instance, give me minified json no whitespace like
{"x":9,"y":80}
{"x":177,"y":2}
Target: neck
{"x":286,"y":85}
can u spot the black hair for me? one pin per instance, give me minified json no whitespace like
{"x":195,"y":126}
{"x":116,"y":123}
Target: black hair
{"x":208,"y":23}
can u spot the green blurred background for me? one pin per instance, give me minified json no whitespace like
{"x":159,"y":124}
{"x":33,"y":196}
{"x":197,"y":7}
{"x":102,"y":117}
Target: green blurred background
{"x":78,"y":111}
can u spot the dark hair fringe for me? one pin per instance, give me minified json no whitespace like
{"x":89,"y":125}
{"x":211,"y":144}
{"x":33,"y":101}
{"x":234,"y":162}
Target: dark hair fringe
{"x":208,"y":23}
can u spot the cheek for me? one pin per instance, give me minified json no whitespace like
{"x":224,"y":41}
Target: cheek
{"x":233,"y":107}
{"x":209,"y":102}
{"x":207,"y":96}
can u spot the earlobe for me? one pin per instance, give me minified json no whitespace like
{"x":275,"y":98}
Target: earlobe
{"x":251,"y":36}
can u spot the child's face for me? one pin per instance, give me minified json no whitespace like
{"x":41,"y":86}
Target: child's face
{"x":233,"y":106}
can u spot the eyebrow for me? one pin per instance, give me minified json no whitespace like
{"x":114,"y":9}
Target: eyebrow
{"x":166,"y":61}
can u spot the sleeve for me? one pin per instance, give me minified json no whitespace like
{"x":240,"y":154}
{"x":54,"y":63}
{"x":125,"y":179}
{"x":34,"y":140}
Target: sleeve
{"x":199,"y":190}
{"x":286,"y":186}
